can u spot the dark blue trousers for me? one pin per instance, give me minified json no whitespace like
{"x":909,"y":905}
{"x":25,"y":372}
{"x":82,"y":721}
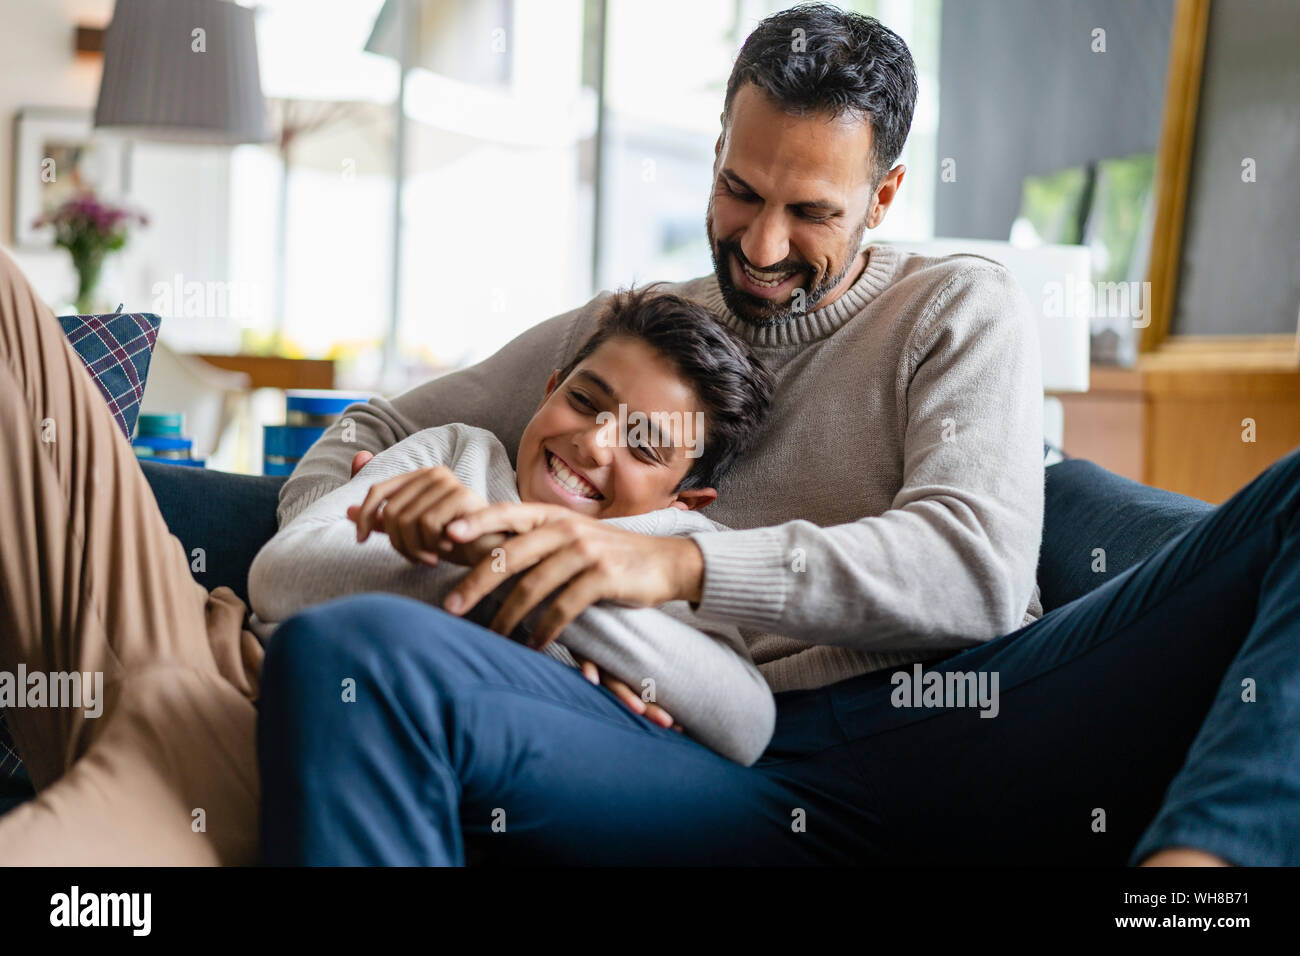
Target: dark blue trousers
{"x":1161,"y":709}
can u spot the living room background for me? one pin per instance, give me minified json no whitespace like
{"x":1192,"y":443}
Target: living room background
{"x":499,"y":185}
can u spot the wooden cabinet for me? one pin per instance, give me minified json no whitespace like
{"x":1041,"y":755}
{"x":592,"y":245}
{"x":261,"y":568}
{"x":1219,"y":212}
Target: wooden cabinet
{"x":1182,"y":419}
{"x":273,"y":371}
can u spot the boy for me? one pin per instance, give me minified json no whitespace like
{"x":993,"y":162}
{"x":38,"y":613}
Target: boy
{"x":698,"y":397}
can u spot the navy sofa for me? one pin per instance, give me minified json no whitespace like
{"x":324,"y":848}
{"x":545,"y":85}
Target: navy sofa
{"x":1088,"y":507}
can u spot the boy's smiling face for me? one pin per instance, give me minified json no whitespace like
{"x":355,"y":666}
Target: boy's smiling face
{"x":570,"y":457}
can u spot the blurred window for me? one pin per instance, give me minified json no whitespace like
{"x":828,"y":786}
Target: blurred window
{"x":499,"y":185}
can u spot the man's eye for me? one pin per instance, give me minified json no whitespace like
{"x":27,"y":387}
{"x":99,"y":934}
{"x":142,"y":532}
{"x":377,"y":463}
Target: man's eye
{"x":809,"y":217}
{"x":579,"y":399}
{"x":740,"y":194}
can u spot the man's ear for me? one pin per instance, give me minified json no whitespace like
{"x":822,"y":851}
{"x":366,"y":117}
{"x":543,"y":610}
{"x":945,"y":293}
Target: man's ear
{"x":885,"y":195}
{"x":693,"y":499}
{"x":722,"y":137}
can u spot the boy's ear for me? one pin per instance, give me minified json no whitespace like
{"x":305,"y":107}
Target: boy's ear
{"x":551,"y":382}
{"x":693,"y":499}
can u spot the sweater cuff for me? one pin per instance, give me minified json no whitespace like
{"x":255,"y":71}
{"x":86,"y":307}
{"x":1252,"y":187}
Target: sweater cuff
{"x":304,"y":499}
{"x":745,"y":577}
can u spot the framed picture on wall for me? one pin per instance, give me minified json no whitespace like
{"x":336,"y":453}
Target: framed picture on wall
{"x":1222,"y":273}
{"x":57,"y":155}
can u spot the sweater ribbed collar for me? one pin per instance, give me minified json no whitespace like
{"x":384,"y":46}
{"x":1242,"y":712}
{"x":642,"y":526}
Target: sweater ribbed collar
{"x":798,"y":330}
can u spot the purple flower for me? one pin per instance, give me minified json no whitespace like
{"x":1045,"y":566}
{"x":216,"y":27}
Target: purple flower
{"x":84,"y":222}
{"x":86,"y":212}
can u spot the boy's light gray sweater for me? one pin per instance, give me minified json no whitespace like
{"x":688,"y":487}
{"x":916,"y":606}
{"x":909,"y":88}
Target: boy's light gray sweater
{"x":701,"y":671}
{"x":893,"y":509}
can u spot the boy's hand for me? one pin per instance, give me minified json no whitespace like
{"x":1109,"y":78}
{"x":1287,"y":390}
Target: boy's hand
{"x":360,"y":460}
{"x":651,"y":712}
{"x":414,"y":508}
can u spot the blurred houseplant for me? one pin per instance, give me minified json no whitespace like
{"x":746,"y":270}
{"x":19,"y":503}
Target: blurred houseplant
{"x":90,"y":229}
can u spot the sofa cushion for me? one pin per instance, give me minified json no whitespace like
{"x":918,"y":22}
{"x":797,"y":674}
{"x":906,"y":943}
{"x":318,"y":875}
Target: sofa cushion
{"x":116,"y":350}
{"x":1088,"y":507}
{"x":229,"y":516}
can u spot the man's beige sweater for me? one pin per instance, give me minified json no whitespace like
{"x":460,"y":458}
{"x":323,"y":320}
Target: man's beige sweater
{"x":893,"y":509}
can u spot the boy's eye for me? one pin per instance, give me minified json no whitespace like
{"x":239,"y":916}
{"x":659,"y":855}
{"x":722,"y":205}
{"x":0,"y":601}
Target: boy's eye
{"x":582,"y":401}
{"x":644,"y":453}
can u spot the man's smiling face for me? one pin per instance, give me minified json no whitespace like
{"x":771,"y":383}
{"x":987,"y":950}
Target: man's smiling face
{"x":791,"y":199}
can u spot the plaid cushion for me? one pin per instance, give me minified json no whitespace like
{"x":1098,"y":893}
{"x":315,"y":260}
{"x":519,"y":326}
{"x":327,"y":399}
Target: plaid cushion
{"x":116,"y":350}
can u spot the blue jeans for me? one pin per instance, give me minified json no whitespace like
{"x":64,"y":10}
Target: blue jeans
{"x":1161,"y":709}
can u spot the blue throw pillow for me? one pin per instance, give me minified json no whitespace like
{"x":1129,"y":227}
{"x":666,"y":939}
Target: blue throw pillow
{"x":116,"y":350}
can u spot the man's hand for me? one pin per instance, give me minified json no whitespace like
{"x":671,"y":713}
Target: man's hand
{"x":624,"y":693}
{"x":413,"y":509}
{"x":584,"y":559}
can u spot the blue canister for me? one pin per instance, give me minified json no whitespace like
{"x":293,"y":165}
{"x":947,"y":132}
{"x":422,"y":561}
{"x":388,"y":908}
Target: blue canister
{"x":160,"y":425}
{"x":163,"y":448}
{"x":316,"y":407}
{"x":308,"y":412}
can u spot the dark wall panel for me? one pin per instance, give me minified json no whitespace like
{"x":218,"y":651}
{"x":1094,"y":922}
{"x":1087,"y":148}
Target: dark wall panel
{"x":1022,"y":93}
{"x":1240,"y":270}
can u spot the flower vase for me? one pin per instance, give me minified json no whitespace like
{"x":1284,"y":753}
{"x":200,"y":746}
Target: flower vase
{"x":88,"y":269}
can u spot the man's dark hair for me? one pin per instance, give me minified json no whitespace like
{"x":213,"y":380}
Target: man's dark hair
{"x":840,"y":63}
{"x":730,"y":382}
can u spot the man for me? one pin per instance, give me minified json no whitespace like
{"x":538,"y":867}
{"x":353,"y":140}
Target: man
{"x":890,"y":516}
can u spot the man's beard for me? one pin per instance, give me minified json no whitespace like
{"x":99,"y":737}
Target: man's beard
{"x":759,"y":312}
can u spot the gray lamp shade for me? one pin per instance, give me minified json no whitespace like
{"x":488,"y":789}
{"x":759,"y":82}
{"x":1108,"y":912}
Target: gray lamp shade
{"x":182,"y":70}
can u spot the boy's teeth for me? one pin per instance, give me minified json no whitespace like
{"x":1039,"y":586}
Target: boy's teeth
{"x":762,"y":279}
{"x":569,"y":480}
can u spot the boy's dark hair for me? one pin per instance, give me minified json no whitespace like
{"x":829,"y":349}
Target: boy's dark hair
{"x":840,"y":62}
{"x":730,"y":382}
